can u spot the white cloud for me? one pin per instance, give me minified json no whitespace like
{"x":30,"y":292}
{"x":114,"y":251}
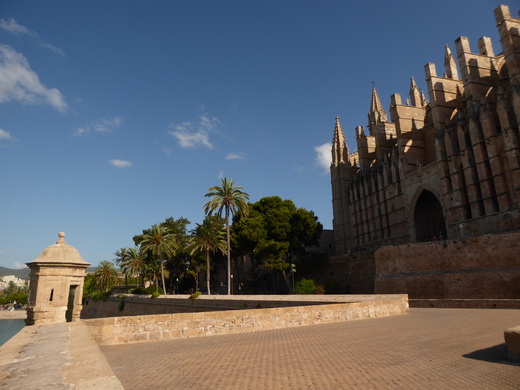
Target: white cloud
{"x":18,"y":265}
{"x":18,"y":82}
{"x":323,"y":156}
{"x":235,"y":156}
{"x":5,"y":135}
{"x":54,"y":49}
{"x":120,"y":163}
{"x":13,"y":27}
{"x":195,"y":134}
{"x":100,"y":126}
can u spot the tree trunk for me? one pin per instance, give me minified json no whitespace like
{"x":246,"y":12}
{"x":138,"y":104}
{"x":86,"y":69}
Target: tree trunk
{"x":208,"y":273}
{"x":228,"y":254}
{"x":162,"y":276}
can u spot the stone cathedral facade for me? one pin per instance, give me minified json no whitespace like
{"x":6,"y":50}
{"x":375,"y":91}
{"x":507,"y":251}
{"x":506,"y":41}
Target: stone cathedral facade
{"x":440,"y":167}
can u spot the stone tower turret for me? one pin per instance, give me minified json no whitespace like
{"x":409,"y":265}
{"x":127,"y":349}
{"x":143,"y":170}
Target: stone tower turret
{"x":56,"y":289}
{"x":340,"y":170}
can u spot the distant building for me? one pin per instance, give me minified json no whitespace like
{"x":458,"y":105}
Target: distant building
{"x":444,"y":168}
{"x":6,"y":280}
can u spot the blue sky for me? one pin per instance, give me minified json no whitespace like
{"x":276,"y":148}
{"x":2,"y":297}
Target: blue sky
{"x":115,"y":115}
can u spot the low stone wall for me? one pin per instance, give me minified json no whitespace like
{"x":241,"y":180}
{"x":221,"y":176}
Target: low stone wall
{"x":483,"y":267}
{"x":132,"y":305}
{"x":118,"y":330}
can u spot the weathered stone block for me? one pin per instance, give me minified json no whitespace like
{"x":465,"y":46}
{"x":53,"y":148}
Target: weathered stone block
{"x":512,"y":339}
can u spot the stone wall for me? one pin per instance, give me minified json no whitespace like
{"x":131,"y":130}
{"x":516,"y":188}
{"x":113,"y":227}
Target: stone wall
{"x":133,"y":305}
{"x":354,"y":273}
{"x":118,"y":330}
{"x":480,"y":267}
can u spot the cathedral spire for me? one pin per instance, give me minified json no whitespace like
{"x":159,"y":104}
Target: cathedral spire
{"x":339,"y":145}
{"x":377,"y":113}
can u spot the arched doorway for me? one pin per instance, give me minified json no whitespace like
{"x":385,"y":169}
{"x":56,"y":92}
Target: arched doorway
{"x":429,"y":218}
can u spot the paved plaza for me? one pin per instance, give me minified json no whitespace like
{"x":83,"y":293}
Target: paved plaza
{"x":427,"y":349}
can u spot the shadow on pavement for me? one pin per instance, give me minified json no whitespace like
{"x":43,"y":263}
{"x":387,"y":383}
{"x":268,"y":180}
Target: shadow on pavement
{"x":496,"y":354}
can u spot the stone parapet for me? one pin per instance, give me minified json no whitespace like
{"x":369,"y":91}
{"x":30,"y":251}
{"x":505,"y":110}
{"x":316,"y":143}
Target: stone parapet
{"x":512,"y":339}
{"x":120,"y":330}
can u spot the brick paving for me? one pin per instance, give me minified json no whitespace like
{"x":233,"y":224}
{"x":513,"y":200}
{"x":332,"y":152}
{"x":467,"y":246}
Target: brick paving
{"x":427,"y":349}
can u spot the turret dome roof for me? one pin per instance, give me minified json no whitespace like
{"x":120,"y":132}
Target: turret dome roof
{"x":61,"y":252}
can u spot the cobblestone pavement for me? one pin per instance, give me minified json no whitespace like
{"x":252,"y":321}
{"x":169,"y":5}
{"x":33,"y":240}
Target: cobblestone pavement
{"x":427,"y":349}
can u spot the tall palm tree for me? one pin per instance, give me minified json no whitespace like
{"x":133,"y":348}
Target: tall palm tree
{"x":106,"y":276}
{"x":160,"y":243}
{"x":206,"y":238}
{"x":229,"y":200}
{"x":133,"y":262}
{"x":120,"y":259}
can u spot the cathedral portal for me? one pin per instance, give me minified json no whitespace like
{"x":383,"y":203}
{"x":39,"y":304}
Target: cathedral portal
{"x":429,"y":218}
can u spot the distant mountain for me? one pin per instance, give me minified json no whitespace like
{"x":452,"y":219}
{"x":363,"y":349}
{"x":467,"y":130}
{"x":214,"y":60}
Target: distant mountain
{"x":24,"y":272}
{"x":19,"y":273}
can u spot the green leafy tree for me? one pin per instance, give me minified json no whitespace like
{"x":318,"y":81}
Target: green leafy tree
{"x":89,"y":284}
{"x":106,"y":276}
{"x":276,"y":233}
{"x":228,"y":200}
{"x":207,"y":238}
{"x":160,"y":243}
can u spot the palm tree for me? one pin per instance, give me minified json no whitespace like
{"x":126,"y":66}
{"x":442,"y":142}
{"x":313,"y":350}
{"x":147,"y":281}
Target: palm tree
{"x":133,"y":262}
{"x":206,"y":238}
{"x":152,"y":270}
{"x":160,"y":243}
{"x":227,"y":199}
{"x":106,"y":276}
{"x":120,"y":260}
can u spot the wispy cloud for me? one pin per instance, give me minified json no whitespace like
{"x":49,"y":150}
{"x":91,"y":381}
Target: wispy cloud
{"x":235,"y":156}
{"x":13,"y":27}
{"x":102,"y":126}
{"x":120,"y":163}
{"x":18,"y":265}
{"x":195,"y":134}
{"x":167,"y":151}
{"x":323,"y":156}
{"x":18,"y":82}
{"x":6,"y":136}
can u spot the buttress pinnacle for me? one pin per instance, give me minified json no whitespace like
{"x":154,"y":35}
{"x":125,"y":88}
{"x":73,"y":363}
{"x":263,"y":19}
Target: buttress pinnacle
{"x":339,"y":145}
{"x":377,"y":113}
